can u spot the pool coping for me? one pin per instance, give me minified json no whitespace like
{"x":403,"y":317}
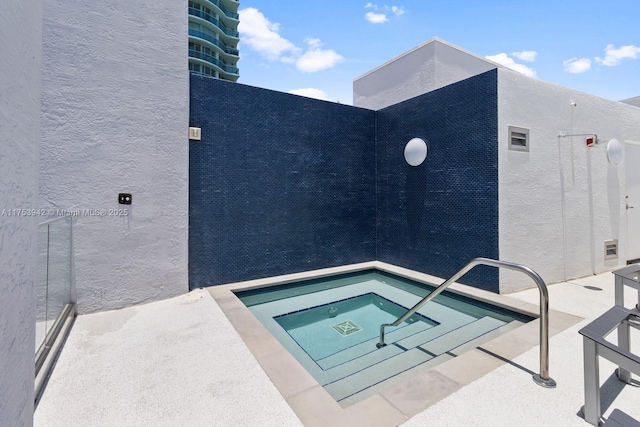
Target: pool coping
{"x":408,"y":393}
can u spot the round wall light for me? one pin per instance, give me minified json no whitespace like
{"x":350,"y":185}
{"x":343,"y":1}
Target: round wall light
{"x":415,"y":151}
{"x":614,"y":151}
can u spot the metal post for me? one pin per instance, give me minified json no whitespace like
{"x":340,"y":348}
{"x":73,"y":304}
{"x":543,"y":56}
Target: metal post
{"x":382,"y":343}
{"x":591,"y":409}
{"x":624,"y":331}
{"x":543,"y":378}
{"x":619,"y":291}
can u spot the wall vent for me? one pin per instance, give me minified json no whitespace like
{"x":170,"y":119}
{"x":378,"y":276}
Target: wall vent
{"x":611,"y":249}
{"x":194,"y":134}
{"x":518,"y":138}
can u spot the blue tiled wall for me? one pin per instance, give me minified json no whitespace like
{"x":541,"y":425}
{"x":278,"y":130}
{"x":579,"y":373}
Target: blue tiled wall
{"x":278,"y":184}
{"x":436,"y":217}
{"x":282,"y":184}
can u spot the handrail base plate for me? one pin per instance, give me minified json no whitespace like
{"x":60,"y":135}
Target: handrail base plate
{"x":548,"y":383}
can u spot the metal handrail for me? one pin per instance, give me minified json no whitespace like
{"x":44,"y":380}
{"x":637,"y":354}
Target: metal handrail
{"x":542,"y":378}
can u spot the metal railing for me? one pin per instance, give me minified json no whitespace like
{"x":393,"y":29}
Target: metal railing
{"x":213,"y":40}
{"x":207,"y":17}
{"x":230,"y":14}
{"x":213,"y":60}
{"x":542,"y":378}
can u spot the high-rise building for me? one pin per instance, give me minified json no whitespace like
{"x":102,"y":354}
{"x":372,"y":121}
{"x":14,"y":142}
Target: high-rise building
{"x":213,"y":38}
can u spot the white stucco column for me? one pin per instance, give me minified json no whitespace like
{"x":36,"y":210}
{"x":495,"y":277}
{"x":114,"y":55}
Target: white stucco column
{"x":20,"y":46}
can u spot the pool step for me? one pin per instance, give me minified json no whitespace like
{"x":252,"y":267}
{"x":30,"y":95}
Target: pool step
{"x":364,"y":348}
{"x":379,"y":372}
{"x":358,"y":374}
{"x":433,"y":333}
{"x":436,"y":340}
{"x":469,"y":345}
{"x":461,"y":335}
{"x":371,"y":358}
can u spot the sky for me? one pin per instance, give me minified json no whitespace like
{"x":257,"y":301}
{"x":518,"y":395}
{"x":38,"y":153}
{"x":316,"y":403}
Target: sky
{"x":317,"y":48}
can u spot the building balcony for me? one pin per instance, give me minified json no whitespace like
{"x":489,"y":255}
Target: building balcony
{"x":228,"y":13}
{"x":212,"y":19}
{"x":214,"y":41}
{"x":214,"y":61}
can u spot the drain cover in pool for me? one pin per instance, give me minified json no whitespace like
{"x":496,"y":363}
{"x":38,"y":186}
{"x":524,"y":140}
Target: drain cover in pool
{"x":346,"y":328}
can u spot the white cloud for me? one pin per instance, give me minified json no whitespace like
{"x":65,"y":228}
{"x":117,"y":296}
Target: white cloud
{"x":310,"y":93}
{"x":261,"y":35}
{"x":313,"y":42}
{"x":614,"y":56}
{"x":381,"y":18}
{"x":577,"y":66}
{"x":504,"y":59}
{"x":317,"y":59}
{"x":375,"y":18}
{"x":526,"y":55}
{"x":397,"y":10}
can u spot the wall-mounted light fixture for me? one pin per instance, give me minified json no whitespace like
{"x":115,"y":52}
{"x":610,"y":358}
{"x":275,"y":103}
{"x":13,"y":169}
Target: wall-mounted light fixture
{"x":614,"y":151}
{"x":415,"y":152}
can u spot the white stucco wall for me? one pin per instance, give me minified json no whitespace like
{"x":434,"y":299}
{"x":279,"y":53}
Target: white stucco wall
{"x":561,"y":201}
{"x":430,"y":66}
{"x":632,"y":101}
{"x":115,"y":113}
{"x":20,"y":31}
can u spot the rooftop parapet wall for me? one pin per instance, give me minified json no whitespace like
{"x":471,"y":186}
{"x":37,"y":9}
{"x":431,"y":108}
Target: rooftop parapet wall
{"x":635,"y":101}
{"x":430,"y":66}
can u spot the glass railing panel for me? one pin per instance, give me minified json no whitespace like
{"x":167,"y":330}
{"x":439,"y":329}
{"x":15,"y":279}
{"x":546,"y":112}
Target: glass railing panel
{"x":213,"y":40}
{"x":204,"y":15}
{"x":41,"y":285}
{"x":53,"y":276}
{"x":213,"y":60}
{"x":59,"y":269}
{"x":230,"y":14}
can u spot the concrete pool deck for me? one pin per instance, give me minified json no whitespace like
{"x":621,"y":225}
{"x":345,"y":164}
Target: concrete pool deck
{"x":182,"y":362}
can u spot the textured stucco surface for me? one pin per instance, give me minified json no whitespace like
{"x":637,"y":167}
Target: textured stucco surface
{"x":20,"y":22}
{"x":114,"y":119}
{"x":430,"y":66}
{"x":177,"y":362}
{"x":562,"y":200}
{"x":632,"y":101}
